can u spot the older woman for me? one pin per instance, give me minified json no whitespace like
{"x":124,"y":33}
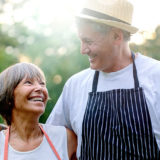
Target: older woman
{"x":23,"y":98}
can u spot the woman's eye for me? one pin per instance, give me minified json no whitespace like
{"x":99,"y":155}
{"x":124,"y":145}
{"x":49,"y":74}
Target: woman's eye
{"x":28,"y":82}
{"x":42,"y":83}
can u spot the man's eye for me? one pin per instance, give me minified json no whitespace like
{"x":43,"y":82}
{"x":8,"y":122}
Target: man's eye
{"x":89,"y":42}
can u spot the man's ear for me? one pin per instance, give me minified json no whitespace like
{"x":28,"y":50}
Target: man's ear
{"x":117,"y":35}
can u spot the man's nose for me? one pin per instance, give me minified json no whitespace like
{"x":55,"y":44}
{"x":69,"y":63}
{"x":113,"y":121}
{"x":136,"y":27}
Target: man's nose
{"x":84,"y":49}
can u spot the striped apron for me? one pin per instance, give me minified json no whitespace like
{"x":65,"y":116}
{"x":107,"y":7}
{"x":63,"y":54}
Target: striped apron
{"x":117,"y":125}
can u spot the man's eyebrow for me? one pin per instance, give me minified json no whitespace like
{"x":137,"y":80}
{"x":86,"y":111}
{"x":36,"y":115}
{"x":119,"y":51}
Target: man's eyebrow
{"x":86,"y":39}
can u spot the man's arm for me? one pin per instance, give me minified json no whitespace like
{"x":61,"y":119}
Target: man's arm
{"x":60,"y":113}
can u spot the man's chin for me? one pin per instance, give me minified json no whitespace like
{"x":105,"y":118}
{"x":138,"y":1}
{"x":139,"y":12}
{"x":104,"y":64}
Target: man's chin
{"x":94,"y":67}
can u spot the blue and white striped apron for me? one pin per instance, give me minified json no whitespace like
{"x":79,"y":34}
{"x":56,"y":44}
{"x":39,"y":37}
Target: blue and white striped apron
{"x":117,"y":125}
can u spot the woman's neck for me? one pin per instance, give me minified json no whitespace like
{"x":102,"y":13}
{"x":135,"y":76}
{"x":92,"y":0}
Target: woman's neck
{"x":25,"y":133}
{"x":24,"y":130}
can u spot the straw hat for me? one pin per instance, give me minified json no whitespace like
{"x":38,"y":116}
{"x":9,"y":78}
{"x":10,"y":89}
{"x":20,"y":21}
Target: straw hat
{"x":116,"y":13}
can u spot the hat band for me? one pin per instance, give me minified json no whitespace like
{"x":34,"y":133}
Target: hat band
{"x":96,"y":14}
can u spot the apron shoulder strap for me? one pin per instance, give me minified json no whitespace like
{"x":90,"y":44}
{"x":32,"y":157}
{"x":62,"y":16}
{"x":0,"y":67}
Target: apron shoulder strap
{"x":136,"y":81}
{"x":95,"y":81}
{"x":135,"y":76}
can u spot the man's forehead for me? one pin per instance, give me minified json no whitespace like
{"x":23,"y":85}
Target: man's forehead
{"x":89,"y":34}
{"x":85,"y":35}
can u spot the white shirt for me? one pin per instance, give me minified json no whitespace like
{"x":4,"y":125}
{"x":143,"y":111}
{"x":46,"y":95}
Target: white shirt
{"x":58,"y":136}
{"x":71,"y":105}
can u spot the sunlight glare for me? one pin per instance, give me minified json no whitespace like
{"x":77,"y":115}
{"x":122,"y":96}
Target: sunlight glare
{"x":37,"y":13}
{"x":53,"y":10}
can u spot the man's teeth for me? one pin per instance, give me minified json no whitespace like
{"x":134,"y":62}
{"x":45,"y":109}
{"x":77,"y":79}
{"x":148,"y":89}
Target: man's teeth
{"x":36,"y":99}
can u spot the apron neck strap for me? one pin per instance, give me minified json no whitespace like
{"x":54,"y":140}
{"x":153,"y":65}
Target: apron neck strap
{"x":50,"y":143}
{"x":136,"y":81}
{"x":135,"y":77}
{"x":95,"y":81}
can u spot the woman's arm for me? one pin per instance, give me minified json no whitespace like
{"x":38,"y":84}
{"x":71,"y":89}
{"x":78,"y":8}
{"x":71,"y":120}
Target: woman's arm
{"x":71,"y":144}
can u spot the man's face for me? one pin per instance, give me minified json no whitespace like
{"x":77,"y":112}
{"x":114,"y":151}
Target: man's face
{"x":98,"y":47}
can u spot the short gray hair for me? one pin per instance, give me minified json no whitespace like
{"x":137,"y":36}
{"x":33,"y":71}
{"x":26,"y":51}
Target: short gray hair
{"x":100,"y":27}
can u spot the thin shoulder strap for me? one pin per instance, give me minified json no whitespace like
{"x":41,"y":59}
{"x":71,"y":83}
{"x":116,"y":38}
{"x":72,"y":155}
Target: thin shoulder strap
{"x":6,"y":145}
{"x":48,"y":139}
{"x":50,"y":143}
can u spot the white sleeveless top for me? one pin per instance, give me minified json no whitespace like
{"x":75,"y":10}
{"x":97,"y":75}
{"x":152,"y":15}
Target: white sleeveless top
{"x":58,"y":137}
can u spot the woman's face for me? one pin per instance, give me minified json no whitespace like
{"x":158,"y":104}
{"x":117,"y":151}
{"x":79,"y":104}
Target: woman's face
{"x":30,"y":95}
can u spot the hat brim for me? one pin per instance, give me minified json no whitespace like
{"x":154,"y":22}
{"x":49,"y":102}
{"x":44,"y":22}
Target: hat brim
{"x":123,"y":26}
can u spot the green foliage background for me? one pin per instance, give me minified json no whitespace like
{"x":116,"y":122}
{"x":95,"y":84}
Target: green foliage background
{"x":57,"y":54}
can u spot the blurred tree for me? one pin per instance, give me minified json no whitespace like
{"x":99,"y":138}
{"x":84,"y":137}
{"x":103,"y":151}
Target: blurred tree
{"x":151,"y":47}
{"x":1,"y":120}
{"x":7,"y":46}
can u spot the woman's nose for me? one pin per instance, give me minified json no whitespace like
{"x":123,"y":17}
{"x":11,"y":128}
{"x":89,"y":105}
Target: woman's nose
{"x":38,"y":86}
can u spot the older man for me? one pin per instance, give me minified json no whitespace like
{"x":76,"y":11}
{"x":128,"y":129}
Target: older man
{"x":114,"y":106}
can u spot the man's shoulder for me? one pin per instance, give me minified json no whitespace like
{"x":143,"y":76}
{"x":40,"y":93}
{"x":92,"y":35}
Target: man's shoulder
{"x":148,"y":59}
{"x":81,"y":77}
{"x":147,"y":62}
{"x":148,"y":65}
{"x":83,"y":73}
